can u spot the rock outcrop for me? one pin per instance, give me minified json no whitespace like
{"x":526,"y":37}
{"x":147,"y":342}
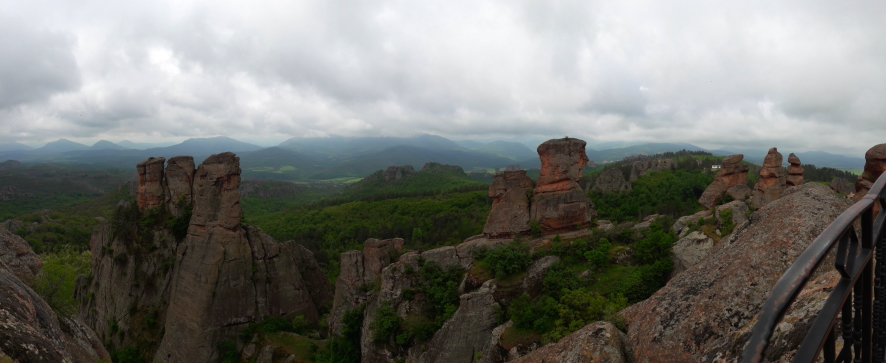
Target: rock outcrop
{"x":176,"y":295}
{"x":392,"y":173}
{"x":737,"y":209}
{"x":29,"y":329}
{"x":510,"y":192}
{"x":795,"y":172}
{"x":772,"y":180}
{"x":611,"y":181}
{"x":150,"y":183}
{"x":558,"y":202}
{"x":359,"y":268}
{"x":731,"y":174}
{"x":690,"y":250}
{"x":639,"y":168}
{"x":179,"y":176}
{"x":874,"y":166}
{"x":842,"y":186}
{"x":10,"y":164}
{"x":724,"y":292}
{"x":433,"y":167}
{"x":18,"y":258}
{"x":597,"y":342}
{"x":681,"y":224}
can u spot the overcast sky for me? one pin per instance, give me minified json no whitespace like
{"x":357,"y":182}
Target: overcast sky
{"x":802,"y":75}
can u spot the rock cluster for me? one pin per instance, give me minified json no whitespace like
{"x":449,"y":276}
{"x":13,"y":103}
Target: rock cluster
{"x":723,"y":292}
{"x":795,"y":172}
{"x":8,"y":192}
{"x":732,"y":174}
{"x":440,"y":168}
{"x":639,"y":168}
{"x":611,"y":181}
{"x":391,"y":173}
{"x":772,"y":180}
{"x":29,"y":329}
{"x":198,"y":289}
{"x":510,"y":192}
{"x":556,"y":202}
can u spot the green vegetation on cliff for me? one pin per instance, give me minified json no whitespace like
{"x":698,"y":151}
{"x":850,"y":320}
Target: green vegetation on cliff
{"x":673,"y":193}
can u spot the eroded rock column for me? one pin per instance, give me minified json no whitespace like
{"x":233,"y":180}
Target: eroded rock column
{"x":179,"y":180}
{"x":510,"y":192}
{"x":151,"y":189}
{"x":772,"y":180}
{"x":558,"y":202}
{"x":795,"y":172}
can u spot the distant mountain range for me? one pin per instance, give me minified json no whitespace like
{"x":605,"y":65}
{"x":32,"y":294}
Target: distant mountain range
{"x":339,"y":157}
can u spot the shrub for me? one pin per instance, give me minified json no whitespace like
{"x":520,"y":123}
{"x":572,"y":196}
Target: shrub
{"x":728,"y":225}
{"x":57,"y":279}
{"x":578,"y":308}
{"x":558,"y":278}
{"x":534,"y":315}
{"x":645,"y":280}
{"x":534,"y":228}
{"x":227,"y":351}
{"x":345,"y":348}
{"x":386,"y":324}
{"x":599,"y":257}
{"x":506,"y":260}
{"x":656,"y":246}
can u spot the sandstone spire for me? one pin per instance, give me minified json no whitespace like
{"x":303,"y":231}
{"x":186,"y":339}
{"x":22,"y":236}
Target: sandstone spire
{"x":510,"y":204}
{"x":558,"y":202}
{"x":179,"y":178}
{"x":151,"y":189}
{"x":795,"y":171}
{"x":772,"y":180}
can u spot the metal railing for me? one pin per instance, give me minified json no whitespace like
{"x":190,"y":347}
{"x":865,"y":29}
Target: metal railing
{"x":859,"y":298}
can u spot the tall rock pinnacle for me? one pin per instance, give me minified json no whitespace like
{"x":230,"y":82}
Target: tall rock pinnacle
{"x":558,"y":202}
{"x":772,"y":180}
{"x":151,"y":189}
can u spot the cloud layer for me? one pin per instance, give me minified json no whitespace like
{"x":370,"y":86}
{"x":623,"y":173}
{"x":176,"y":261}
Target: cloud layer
{"x":799,"y":75}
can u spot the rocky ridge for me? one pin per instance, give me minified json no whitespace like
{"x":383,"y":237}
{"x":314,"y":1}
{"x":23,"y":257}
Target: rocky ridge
{"x":175,"y":292}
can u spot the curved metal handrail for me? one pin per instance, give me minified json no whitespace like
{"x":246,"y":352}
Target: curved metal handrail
{"x":855,"y":267}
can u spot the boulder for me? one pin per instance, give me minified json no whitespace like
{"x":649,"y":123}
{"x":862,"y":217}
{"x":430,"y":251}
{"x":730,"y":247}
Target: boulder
{"x":690,"y":250}
{"x":596,"y":342}
{"x":739,"y":210}
{"x":772,"y":180}
{"x":11,"y":225}
{"x":795,"y":171}
{"x":611,"y":181}
{"x":151,"y":190}
{"x":646,"y":222}
{"x":739,"y":192}
{"x":680,"y":224}
{"x":731,"y":174}
{"x":842,"y":186}
{"x":18,"y":258}
{"x":725,"y":291}
{"x":558,"y":202}
{"x":179,"y":179}
{"x":510,"y":204}
{"x":535,"y":274}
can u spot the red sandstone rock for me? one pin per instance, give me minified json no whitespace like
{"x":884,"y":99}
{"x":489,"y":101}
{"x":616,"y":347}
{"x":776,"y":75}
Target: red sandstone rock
{"x":732,"y":173}
{"x":772,"y":180}
{"x":510,"y":204}
{"x":795,"y":172}
{"x":150,"y":183}
{"x":179,"y":179}
{"x":558,"y":202}
{"x":597,"y":342}
{"x":874,"y":166}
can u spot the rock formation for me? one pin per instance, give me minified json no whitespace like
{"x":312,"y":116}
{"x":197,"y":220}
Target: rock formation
{"x":772,"y":180}
{"x":795,"y":171}
{"x":510,"y":192}
{"x":690,"y":250}
{"x":842,"y":186}
{"x":18,"y":258}
{"x":712,"y":299}
{"x":150,"y":183}
{"x":359,"y":268}
{"x":597,"y":342}
{"x":737,"y":209}
{"x":29,"y":329}
{"x":611,"y":181}
{"x":639,"y":168}
{"x":175,"y":294}
{"x":10,"y":164}
{"x":391,"y":173}
{"x":439,"y":168}
{"x":874,"y":166}
{"x":558,"y":203}
{"x":179,"y":179}
{"x":733,"y":173}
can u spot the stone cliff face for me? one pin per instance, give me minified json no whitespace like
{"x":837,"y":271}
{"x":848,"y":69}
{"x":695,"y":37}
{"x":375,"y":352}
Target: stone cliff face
{"x":150,"y":183}
{"x":176,"y":297}
{"x":392,"y":173}
{"x":611,"y":181}
{"x":558,"y":202}
{"x":29,"y":329}
{"x":510,"y":192}
{"x":639,"y":168}
{"x":733,"y":173}
{"x":772,"y":180}
{"x":712,"y":299}
{"x":795,"y":171}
